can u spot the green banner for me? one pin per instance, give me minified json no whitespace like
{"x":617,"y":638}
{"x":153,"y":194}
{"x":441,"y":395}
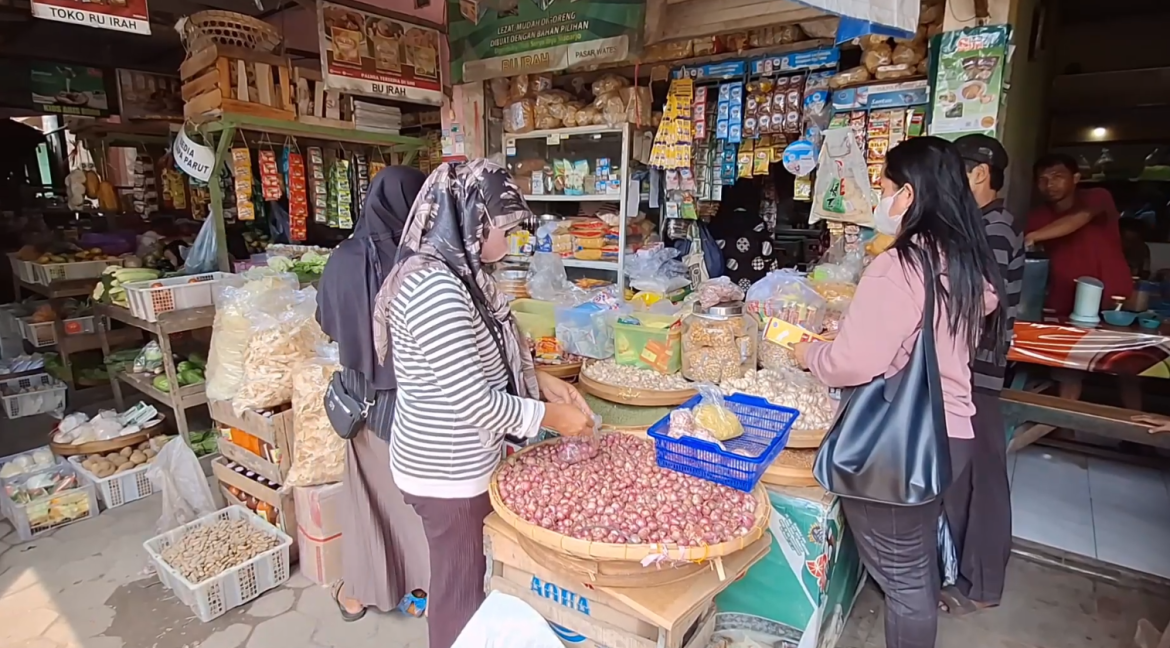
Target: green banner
{"x":968,"y":83}
{"x":496,"y":38}
{"x":65,"y":89}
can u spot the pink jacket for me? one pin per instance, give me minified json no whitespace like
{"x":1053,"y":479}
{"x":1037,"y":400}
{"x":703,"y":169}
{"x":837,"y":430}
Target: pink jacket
{"x":878,"y":334}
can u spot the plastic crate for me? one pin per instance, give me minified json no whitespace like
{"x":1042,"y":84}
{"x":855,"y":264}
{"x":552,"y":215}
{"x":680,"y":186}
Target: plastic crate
{"x":29,"y":519}
{"x":43,"y":334}
{"x":765,"y":433}
{"x":57,"y":461}
{"x":50,"y":398}
{"x":119,"y":489}
{"x":47,"y":273}
{"x":655,"y":344}
{"x":149,"y":299}
{"x":234,"y":587}
{"x":23,"y":270}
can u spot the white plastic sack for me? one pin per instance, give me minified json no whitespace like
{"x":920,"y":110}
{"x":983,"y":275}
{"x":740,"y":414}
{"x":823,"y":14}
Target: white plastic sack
{"x":902,"y":14}
{"x":176,"y":473}
{"x":504,"y":621}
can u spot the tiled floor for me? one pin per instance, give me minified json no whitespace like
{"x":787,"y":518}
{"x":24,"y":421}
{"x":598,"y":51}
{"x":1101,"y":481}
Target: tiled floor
{"x":1114,"y":512}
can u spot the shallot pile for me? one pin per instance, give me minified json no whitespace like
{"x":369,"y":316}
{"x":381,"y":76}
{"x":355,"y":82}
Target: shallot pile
{"x":622,"y":497}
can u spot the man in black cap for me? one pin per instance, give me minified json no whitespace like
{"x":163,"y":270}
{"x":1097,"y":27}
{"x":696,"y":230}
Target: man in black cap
{"x":978,"y":504}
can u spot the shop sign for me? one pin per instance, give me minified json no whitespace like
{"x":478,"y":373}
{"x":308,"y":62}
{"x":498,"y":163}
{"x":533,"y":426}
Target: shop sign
{"x":377,"y":56}
{"x":713,"y":71}
{"x":883,"y":95}
{"x":968,"y":88}
{"x":64,"y":89}
{"x":529,"y":36}
{"x":119,"y":15}
{"x":146,"y":95}
{"x":796,"y":61}
{"x":196,"y":160}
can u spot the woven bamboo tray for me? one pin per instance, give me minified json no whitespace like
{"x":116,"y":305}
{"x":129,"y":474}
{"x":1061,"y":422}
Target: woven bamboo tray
{"x":608,"y":551}
{"x":632,"y":396}
{"x":609,"y":573}
{"x":786,"y":472}
{"x":113,"y":445}
{"x":805,"y":439}
{"x":565,"y":371}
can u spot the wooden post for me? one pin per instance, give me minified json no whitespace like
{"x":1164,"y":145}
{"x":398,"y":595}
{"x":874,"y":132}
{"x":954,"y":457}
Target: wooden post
{"x":222,"y":150}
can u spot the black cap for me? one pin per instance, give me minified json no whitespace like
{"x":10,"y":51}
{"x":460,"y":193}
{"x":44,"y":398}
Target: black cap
{"x":983,"y":149}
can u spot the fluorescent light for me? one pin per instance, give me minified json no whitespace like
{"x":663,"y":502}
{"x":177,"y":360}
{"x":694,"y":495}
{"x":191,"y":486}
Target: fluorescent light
{"x":1099,"y":132}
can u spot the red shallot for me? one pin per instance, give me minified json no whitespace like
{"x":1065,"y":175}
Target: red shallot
{"x":622,"y":496}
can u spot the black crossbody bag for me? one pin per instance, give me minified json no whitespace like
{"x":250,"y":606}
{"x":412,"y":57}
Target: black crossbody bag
{"x":347,"y":413}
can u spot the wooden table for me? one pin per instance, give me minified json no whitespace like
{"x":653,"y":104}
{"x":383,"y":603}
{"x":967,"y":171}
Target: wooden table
{"x":1031,"y":415}
{"x":179,"y":399}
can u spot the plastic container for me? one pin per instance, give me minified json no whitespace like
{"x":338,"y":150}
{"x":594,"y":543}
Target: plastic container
{"x":585,"y":330}
{"x":57,"y":461}
{"x":118,"y":489}
{"x":49,"y":398}
{"x":1118,"y":317}
{"x":149,"y":299}
{"x":655,"y":344}
{"x":47,"y":273}
{"x":22,"y":270}
{"x":718,"y":343}
{"x":46,"y":514}
{"x":765,"y":433}
{"x":234,"y":587}
{"x":43,"y":334}
{"x":535,"y":318}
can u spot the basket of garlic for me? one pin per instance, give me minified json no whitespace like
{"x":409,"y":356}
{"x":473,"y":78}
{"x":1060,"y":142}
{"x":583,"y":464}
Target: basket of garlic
{"x":795,"y":389}
{"x":629,"y":385}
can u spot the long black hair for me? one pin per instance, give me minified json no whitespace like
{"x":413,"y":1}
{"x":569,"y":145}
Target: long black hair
{"x":944,"y":228}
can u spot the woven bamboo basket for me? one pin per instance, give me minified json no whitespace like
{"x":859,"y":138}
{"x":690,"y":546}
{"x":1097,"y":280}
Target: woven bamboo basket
{"x":608,"y":551}
{"x":805,"y":439}
{"x":791,"y":468}
{"x":566,"y":371}
{"x":214,"y":26}
{"x":113,"y":445}
{"x":632,"y":396}
{"x":609,"y":573}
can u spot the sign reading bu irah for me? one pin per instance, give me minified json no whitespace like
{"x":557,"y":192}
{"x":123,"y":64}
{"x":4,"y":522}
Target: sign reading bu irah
{"x":119,"y":15}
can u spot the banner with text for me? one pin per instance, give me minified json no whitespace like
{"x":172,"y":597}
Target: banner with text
{"x":497,"y":38}
{"x":120,"y":15}
{"x":374,"y":55}
{"x":63,"y":89}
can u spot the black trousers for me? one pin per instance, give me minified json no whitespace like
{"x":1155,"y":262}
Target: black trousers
{"x":979,"y":508}
{"x":899,"y":548}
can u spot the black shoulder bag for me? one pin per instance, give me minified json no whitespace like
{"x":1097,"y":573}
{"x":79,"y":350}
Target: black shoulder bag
{"x":346,"y":413}
{"x":888,"y":443}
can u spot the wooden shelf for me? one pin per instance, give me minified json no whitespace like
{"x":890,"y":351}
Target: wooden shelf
{"x":311,"y":131}
{"x":187,"y":397}
{"x":70,"y":344}
{"x":62,"y":289}
{"x":189,"y":319}
{"x":611,"y":266}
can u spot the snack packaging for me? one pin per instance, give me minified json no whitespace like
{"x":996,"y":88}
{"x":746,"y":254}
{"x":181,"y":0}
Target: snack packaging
{"x":519,"y":87}
{"x":270,"y":183}
{"x":638,"y":101}
{"x":874,"y":58}
{"x":520,"y":116}
{"x":608,"y":83}
{"x":894,"y":72}
{"x":713,"y":416}
{"x":500,"y":89}
{"x":849,"y":77}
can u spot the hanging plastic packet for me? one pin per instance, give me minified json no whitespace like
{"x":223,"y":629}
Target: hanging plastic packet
{"x":577,"y":449}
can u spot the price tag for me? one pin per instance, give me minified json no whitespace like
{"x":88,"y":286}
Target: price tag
{"x":555,"y":138}
{"x":510,"y":146}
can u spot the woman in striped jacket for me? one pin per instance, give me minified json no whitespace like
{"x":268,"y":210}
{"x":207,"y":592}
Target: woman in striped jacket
{"x":465,"y":379}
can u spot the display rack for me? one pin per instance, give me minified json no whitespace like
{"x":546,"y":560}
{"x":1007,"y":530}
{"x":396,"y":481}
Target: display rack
{"x":179,"y":399}
{"x":556,"y":136}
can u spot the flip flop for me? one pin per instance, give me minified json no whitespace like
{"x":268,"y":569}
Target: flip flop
{"x":346,"y":615}
{"x":952,"y":601}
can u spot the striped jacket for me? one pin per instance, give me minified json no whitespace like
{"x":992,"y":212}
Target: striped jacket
{"x":1007,"y":243}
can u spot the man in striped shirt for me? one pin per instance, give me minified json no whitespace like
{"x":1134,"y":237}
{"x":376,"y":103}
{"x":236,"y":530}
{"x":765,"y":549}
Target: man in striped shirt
{"x":978,"y":504}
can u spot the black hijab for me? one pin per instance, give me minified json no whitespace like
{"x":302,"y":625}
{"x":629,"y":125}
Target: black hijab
{"x":357,"y":268}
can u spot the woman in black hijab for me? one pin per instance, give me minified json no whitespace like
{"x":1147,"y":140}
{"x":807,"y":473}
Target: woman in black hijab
{"x":384,"y":550}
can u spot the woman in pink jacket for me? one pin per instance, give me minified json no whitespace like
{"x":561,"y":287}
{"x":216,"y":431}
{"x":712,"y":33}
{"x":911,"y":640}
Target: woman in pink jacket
{"x":927,"y":205}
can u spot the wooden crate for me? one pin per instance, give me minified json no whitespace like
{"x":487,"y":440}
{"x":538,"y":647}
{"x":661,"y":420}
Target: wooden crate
{"x":281,"y":499}
{"x":216,"y":81}
{"x":274,"y":429}
{"x":320,"y":106}
{"x":665,"y":616}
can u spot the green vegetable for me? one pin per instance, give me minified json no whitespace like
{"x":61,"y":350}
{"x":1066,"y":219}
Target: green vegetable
{"x":198,"y":360}
{"x":186,"y":365}
{"x":190,"y":377}
{"x":162,"y":384}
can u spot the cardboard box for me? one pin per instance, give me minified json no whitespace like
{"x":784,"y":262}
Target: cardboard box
{"x":320,"y":558}
{"x":319,"y":510}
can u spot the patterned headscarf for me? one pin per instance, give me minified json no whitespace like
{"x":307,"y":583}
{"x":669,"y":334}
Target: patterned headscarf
{"x":447,"y":226}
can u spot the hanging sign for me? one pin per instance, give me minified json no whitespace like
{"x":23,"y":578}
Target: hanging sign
{"x":119,"y":15}
{"x":968,"y":88}
{"x":196,"y":160}
{"x":63,"y":89}
{"x":495,"y":39}
{"x":377,"y":56}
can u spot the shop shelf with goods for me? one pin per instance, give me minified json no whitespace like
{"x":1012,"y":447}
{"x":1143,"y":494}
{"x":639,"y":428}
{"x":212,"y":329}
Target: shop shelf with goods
{"x":258,"y":441}
{"x":257,"y":495}
{"x":178,"y":398}
{"x":588,"y":166}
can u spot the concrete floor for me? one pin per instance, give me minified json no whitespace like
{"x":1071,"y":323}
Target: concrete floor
{"x":85,"y":587}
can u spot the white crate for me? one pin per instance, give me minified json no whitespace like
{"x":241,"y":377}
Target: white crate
{"x":149,"y":299}
{"x":23,"y":270}
{"x":119,"y":489}
{"x":234,"y":587}
{"x":50,"y":398}
{"x":83,"y":498}
{"x":10,"y":321}
{"x":47,"y":273}
{"x":43,"y":334}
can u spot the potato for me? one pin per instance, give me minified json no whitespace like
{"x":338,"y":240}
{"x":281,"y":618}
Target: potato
{"x":124,"y":467}
{"x":137,"y":457}
{"x":104,"y":470}
{"x":150,"y":454}
{"x":145,"y":445}
{"x":127,"y":451}
{"x":114,"y":457}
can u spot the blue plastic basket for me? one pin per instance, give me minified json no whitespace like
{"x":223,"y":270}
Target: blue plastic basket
{"x":765,"y":433}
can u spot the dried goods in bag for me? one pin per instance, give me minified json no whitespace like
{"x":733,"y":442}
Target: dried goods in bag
{"x":237,"y":299}
{"x":277,"y":345}
{"x":318,"y":452}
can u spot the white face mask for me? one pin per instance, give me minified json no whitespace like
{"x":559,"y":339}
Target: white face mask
{"x":883,"y":220}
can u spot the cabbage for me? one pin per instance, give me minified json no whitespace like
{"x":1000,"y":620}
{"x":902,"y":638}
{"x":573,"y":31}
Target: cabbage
{"x":280,"y":263}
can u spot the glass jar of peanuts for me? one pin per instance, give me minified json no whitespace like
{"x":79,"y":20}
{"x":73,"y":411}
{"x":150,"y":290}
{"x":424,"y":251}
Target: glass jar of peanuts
{"x":719,"y":343}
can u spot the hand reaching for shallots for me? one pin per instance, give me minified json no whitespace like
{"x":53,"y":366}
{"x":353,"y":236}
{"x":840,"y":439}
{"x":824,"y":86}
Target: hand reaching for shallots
{"x":576,"y":450}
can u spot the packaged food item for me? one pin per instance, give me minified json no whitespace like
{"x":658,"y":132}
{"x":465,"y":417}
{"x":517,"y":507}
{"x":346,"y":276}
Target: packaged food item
{"x":608,"y":83}
{"x":500,"y":89}
{"x":849,"y":77}
{"x":769,"y":36}
{"x":705,"y":46}
{"x":318,"y":188}
{"x":538,"y":83}
{"x":318,"y":452}
{"x":908,"y":54}
{"x":787,"y":295}
{"x":270,"y":184}
{"x":298,"y":198}
{"x":520,"y":116}
{"x":278,"y":343}
{"x":668,"y":51}
{"x":874,"y":58}
{"x":242,"y":174}
{"x":519,"y":87}
{"x":870,"y":42}
{"x":586,"y":330}
{"x":638,"y":102}
{"x":894,"y":72}
{"x":735,"y":42}
{"x":613,"y":110}
{"x":719,"y":342}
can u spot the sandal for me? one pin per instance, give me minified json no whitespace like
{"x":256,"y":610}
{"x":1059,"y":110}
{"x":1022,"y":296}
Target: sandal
{"x":346,"y":615}
{"x":952,"y":601}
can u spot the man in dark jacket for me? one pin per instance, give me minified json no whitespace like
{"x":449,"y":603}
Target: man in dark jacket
{"x":978,"y":504}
